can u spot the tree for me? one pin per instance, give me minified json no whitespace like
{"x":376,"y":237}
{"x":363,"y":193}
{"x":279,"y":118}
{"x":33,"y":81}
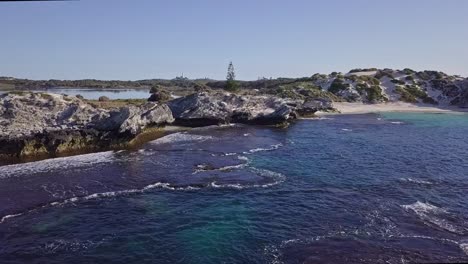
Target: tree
{"x":231,"y":83}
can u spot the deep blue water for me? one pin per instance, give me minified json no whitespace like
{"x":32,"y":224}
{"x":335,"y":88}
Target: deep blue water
{"x":374,"y":188}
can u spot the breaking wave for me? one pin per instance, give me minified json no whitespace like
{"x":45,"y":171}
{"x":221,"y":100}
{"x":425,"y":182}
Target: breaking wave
{"x":435,"y":216}
{"x":255,"y":150}
{"x":417,"y":181}
{"x":64,"y":163}
{"x":275,"y":178}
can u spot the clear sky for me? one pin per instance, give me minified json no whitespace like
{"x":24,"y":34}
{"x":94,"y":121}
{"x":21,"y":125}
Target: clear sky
{"x":141,"y":39}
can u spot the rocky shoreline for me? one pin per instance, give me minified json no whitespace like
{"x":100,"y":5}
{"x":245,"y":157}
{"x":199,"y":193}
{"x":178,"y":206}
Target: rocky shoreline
{"x":42,"y":125}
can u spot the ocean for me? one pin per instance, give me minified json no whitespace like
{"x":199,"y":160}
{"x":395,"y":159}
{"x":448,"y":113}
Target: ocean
{"x":370,"y":188}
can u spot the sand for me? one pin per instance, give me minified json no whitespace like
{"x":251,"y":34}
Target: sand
{"x":360,"y":108}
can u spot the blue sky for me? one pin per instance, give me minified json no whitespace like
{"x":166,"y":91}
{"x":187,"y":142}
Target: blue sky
{"x":130,"y":40}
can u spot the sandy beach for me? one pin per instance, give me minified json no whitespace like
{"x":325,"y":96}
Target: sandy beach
{"x":360,"y":108}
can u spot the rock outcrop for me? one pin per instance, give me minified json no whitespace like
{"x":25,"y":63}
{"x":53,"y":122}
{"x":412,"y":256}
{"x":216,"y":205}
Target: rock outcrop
{"x":34,"y":124}
{"x":310,"y":106}
{"x":44,"y":125}
{"x":216,"y":108}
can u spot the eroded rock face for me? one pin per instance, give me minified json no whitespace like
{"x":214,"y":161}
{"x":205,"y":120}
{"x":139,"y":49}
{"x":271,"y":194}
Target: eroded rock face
{"x":311,"y":106}
{"x":205,"y":108}
{"x":39,"y":123}
{"x":132,"y":120}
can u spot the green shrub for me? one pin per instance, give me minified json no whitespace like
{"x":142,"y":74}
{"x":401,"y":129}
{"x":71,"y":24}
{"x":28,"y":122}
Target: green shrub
{"x":374,"y":94}
{"x":361,"y":88}
{"x":285,"y":92}
{"x":337,"y":86}
{"x":369,"y":79}
{"x":103,"y":99}
{"x":155,"y":89}
{"x":405,"y":96}
{"x":382,"y":73}
{"x":317,"y":77}
{"x":415,"y":91}
{"x":232,"y":85}
{"x":362,"y":70}
{"x":351,"y":77}
{"x":424,"y":75}
{"x":396,"y":81}
{"x":408,"y":71}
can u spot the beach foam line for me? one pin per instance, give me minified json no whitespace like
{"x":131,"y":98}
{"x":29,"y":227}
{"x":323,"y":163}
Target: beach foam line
{"x":61,"y":163}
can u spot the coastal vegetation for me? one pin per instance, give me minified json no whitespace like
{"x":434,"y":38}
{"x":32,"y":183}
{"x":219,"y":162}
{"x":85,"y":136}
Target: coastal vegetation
{"x":369,"y":85}
{"x":231,"y":83}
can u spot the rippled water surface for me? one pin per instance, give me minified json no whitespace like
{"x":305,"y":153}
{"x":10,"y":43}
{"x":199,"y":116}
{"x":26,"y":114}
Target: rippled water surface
{"x":387,"y":188}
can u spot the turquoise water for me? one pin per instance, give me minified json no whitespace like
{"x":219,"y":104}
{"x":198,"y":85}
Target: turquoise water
{"x":374,"y":188}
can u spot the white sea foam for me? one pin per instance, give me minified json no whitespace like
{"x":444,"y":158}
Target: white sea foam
{"x":346,"y":129}
{"x":420,"y":207}
{"x":70,"y":245}
{"x":95,"y":196}
{"x":397,"y":122}
{"x":6,"y":217}
{"x":464,"y":247}
{"x":180,"y":137}
{"x":276,"y":179}
{"x":204,"y":167}
{"x":243,"y":158}
{"x":417,"y":181}
{"x":317,"y":118}
{"x":433,"y":215}
{"x":272,"y":147}
{"x":64,"y":163}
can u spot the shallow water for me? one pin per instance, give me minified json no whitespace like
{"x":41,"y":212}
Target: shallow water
{"x":388,"y":188}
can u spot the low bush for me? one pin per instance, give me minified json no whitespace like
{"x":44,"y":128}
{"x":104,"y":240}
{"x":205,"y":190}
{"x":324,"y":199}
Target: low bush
{"x":396,"y":81}
{"x":337,"y":86}
{"x":103,"y":99}
{"x":405,"y":96}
